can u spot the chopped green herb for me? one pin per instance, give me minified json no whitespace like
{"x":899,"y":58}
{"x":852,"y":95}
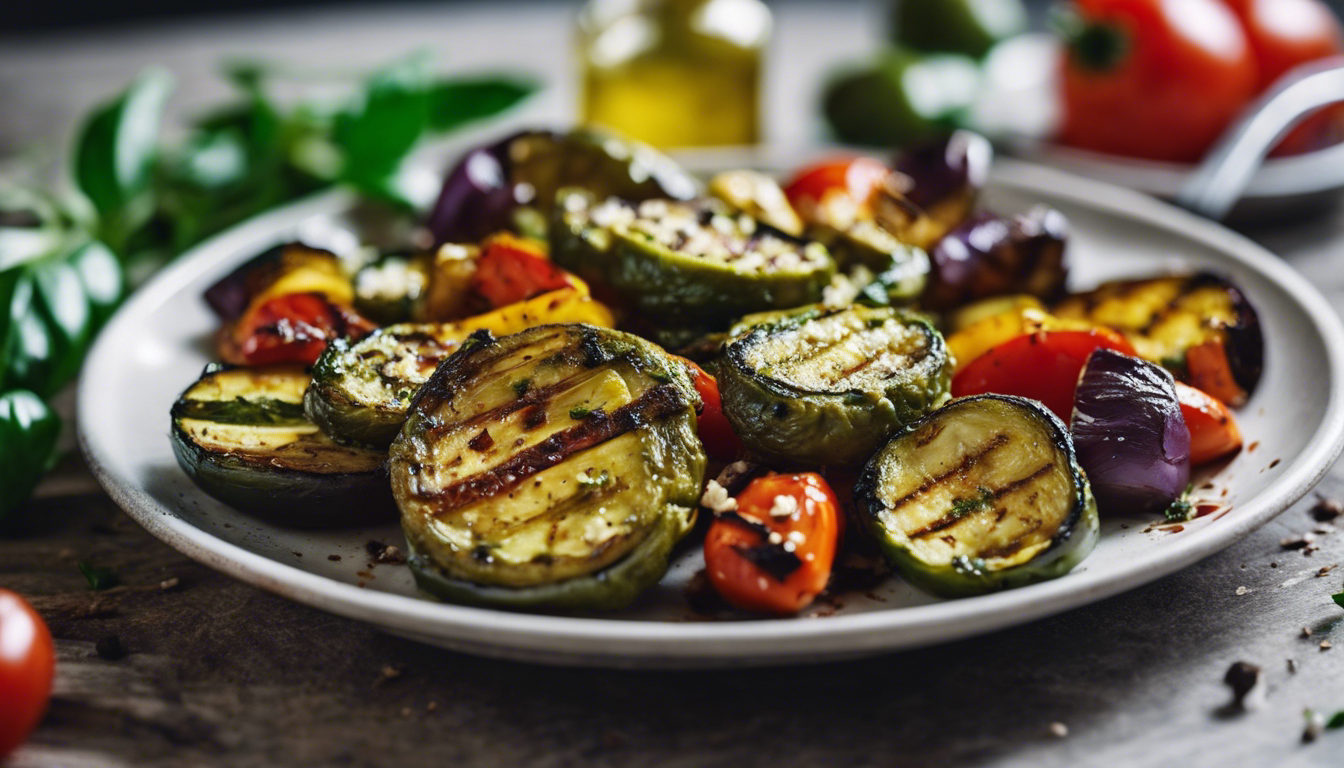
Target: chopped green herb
{"x":964,"y":507}
{"x":1335,"y":722}
{"x":521,"y":386}
{"x":579,"y":412}
{"x":660,"y":376}
{"x":1339,"y":599}
{"x":99,"y":578}
{"x":1182,"y":509}
{"x":587,"y":482}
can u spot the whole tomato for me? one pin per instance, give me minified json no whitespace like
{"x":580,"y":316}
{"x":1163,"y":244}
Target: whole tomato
{"x":27,"y":663}
{"x":1153,"y":79}
{"x":1286,"y":34}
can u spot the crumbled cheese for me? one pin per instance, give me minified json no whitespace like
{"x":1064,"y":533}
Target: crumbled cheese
{"x":717,"y":500}
{"x":783,"y":506}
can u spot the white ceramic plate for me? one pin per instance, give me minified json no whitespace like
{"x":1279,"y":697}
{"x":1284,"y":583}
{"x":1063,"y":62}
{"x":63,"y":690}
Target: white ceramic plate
{"x":159,"y":341}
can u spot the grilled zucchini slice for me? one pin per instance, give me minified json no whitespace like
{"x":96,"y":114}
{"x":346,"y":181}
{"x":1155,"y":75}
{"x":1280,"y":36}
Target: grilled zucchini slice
{"x":552,"y":468}
{"x":361,"y":389}
{"x":983,"y":494}
{"x":241,"y":435}
{"x":693,"y":264}
{"x":1201,"y":327}
{"x":828,"y":387}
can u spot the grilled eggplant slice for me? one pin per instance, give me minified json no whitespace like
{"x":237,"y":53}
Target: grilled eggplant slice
{"x":694,"y":263}
{"x":983,"y":494}
{"x":361,"y":389}
{"x":241,"y":435}
{"x":552,"y":468}
{"x":828,"y":387}
{"x":1200,"y":327}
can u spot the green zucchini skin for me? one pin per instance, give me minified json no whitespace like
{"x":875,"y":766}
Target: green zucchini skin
{"x":957,"y":553}
{"x":899,"y":271}
{"x":361,"y":390}
{"x":553,"y":468}
{"x":256,"y":452}
{"x":610,"y":589}
{"x":771,"y":381}
{"x":677,"y":285}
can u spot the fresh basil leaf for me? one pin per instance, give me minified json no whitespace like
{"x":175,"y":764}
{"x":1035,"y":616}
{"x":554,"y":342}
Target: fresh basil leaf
{"x":100,"y":274}
{"x":454,"y":103}
{"x":1335,"y":722}
{"x":379,"y":129}
{"x":1339,"y":599}
{"x":115,"y":151}
{"x":28,"y":434}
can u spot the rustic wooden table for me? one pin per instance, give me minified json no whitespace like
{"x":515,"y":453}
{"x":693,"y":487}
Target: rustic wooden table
{"x":212,"y":672}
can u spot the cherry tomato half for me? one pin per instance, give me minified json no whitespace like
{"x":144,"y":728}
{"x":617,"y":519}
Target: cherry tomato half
{"x":1156,"y":79}
{"x":293,"y":328}
{"x":511,"y":270}
{"x":721,"y":442}
{"x":27,"y":664}
{"x":1042,"y":366}
{"x":857,"y":178}
{"x":774,"y":554}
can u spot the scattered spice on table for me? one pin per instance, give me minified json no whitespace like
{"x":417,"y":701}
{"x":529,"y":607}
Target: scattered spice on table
{"x":1326,"y":509}
{"x":1244,"y":678}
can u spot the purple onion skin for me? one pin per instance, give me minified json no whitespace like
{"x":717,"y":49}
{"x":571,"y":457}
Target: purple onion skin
{"x":230,"y":296}
{"x":1129,"y":434}
{"x":478,"y":198}
{"x":950,"y":170}
{"x":988,"y":255}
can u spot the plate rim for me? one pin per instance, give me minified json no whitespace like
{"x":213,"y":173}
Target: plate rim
{"x":614,"y":642}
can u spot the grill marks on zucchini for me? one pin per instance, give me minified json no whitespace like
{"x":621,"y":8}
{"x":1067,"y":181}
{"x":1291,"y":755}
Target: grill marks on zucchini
{"x":241,"y":435}
{"x":982,"y":494}
{"x":510,"y":495}
{"x":693,"y":263}
{"x":829,"y":387}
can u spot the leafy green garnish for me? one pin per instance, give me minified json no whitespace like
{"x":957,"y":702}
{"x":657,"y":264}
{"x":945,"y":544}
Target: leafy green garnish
{"x":1339,"y":599}
{"x":521,"y":386}
{"x":1336,"y":721}
{"x":579,"y":412}
{"x":1182,"y":509}
{"x":28,"y":434}
{"x":99,"y":578}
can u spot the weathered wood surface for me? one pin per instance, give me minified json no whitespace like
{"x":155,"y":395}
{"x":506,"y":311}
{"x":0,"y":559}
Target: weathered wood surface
{"x":217,"y":673}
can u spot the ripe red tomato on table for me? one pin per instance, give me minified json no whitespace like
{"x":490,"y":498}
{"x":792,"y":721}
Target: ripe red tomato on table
{"x":1153,"y":79}
{"x":1285,"y":34}
{"x":27,"y":664}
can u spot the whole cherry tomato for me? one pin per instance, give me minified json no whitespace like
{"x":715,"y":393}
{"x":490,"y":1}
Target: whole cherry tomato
{"x":1286,"y":34}
{"x":1155,"y":79}
{"x":1043,"y":366}
{"x":853,"y":179}
{"x":27,"y":664}
{"x":721,"y":442}
{"x":773,"y":554}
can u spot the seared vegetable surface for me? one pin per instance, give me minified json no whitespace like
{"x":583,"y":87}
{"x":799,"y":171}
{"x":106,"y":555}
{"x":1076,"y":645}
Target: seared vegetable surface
{"x":693,"y":263}
{"x":1130,"y":435}
{"x":554,"y":467}
{"x":241,"y":435}
{"x":982,"y":494}
{"x":361,"y":389}
{"x":1200,"y":327}
{"x":829,"y":387}
{"x":989,"y":255}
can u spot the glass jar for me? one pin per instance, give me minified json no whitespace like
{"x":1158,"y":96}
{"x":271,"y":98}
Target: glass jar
{"x":674,"y":73}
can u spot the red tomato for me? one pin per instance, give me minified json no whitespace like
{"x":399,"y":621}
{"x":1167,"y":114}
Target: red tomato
{"x":721,"y":442}
{"x":511,"y":270}
{"x":294,"y":328}
{"x":27,"y":663}
{"x":1156,"y":79}
{"x":763,"y":560}
{"x":1213,"y":431}
{"x":1042,"y":366}
{"x":1286,"y":34}
{"x":855,"y":177}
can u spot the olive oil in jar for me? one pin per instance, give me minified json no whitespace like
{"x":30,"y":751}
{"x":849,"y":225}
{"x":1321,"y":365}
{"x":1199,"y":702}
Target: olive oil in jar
{"x":674,"y":73}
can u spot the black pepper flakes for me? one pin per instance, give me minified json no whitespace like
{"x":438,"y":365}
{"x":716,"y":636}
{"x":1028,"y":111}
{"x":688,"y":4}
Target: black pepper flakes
{"x":1244,"y":679}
